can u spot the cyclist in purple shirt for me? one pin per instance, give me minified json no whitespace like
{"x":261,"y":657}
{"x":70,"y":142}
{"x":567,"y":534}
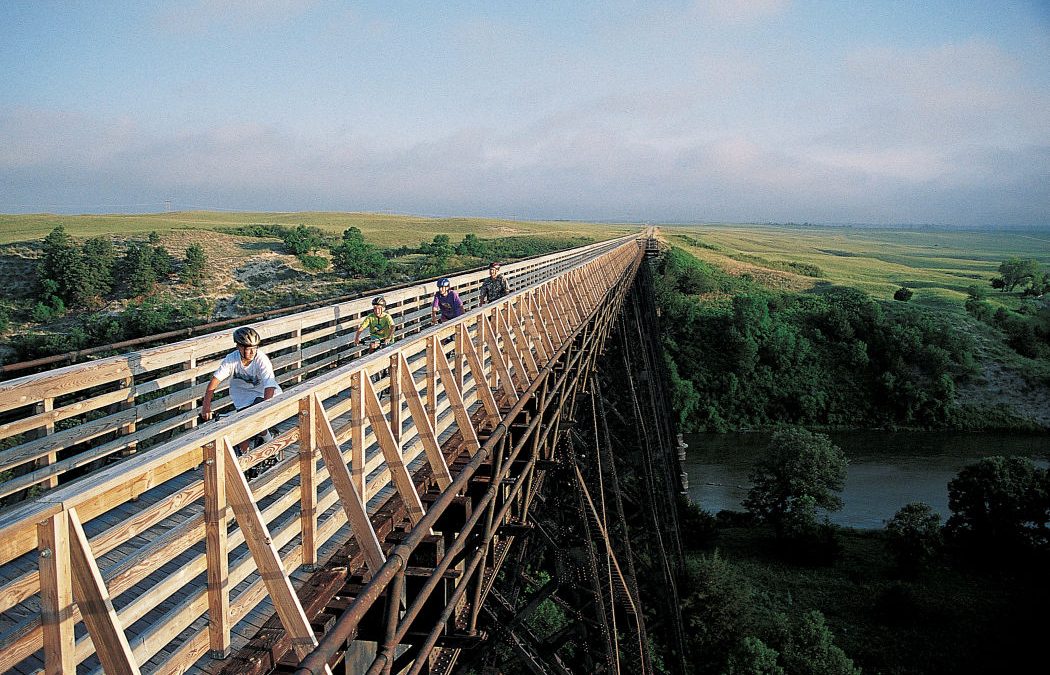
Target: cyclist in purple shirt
{"x":447,"y":305}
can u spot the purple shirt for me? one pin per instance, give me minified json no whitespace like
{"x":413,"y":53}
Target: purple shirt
{"x":450,"y":305}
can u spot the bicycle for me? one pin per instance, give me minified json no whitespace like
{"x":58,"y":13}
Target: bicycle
{"x":255,"y":442}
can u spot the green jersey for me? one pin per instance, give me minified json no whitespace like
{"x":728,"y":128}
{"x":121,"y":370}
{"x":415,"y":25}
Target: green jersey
{"x":379,"y":327}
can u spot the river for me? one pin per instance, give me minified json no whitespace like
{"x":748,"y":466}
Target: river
{"x":886,"y":469}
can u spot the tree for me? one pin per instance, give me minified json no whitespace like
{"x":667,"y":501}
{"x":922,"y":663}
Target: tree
{"x":355,"y":257}
{"x":914,"y":535}
{"x":304,"y":240}
{"x":135,"y":269}
{"x":1017,"y":271}
{"x":903,"y":294}
{"x":193,"y":268}
{"x":716,"y":609}
{"x":100,"y":256}
{"x":799,"y":472}
{"x":437,"y":254}
{"x":64,"y":266}
{"x":472,"y":246}
{"x":810,"y":649}
{"x":999,"y":502}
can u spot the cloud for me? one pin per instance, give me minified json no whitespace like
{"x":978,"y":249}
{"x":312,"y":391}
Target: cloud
{"x":601,"y":163}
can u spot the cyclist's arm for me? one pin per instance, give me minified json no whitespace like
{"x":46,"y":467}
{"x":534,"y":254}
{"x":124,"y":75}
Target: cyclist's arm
{"x":208,"y":394}
{"x":360,"y":329}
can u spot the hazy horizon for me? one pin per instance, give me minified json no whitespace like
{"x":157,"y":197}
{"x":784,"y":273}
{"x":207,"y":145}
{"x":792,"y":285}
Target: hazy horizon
{"x":729,"y":111}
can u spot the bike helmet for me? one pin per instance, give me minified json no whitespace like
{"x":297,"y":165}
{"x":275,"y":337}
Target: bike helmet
{"x":378,"y":300}
{"x":494,"y":265}
{"x":246,"y":336}
{"x":442,"y":282}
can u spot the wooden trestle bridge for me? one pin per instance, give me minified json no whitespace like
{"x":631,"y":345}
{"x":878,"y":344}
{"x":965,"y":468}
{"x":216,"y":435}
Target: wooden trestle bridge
{"x":365,"y":537}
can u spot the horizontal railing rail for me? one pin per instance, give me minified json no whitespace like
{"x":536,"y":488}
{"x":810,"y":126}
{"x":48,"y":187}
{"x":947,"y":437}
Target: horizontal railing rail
{"x":60,"y":424}
{"x":133,"y":540}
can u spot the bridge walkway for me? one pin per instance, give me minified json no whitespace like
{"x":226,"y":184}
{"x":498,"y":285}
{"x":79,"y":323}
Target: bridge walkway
{"x":152,"y":564}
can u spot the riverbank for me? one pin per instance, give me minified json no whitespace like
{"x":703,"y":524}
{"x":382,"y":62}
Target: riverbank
{"x":887,"y":469}
{"x":951,"y":618}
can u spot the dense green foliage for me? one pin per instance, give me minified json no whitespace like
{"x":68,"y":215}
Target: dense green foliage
{"x":1016,"y":271}
{"x":354,"y":257}
{"x":729,"y":632}
{"x":1000,"y":504}
{"x":914,"y":535}
{"x":750,"y":357}
{"x":799,"y":472}
{"x":193,"y":268}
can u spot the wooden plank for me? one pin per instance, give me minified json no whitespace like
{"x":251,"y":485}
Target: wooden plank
{"x":19,"y":534}
{"x":432,"y":348}
{"x":534,"y":322}
{"x":488,"y":401}
{"x":56,"y":595}
{"x":217,"y":548}
{"x":357,"y":433}
{"x":421,"y":421}
{"x":308,"y":480}
{"x":516,"y":322}
{"x":459,"y":411}
{"x":48,"y":416}
{"x":496,"y":356}
{"x":511,"y":349}
{"x":395,"y":395}
{"x":31,"y":389}
{"x":398,"y":472}
{"x":111,"y":644}
{"x":350,"y":498}
{"x":266,"y":557}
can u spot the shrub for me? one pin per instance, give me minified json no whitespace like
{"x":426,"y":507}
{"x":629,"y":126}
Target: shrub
{"x":354,"y":257}
{"x":135,"y":269}
{"x":914,"y":535}
{"x":799,"y":472}
{"x":903,"y":294}
{"x":193,"y":268}
{"x":999,"y":503}
{"x":304,"y":240}
{"x":314,"y":263}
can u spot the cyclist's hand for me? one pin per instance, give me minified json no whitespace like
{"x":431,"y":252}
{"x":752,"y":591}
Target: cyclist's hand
{"x":205,"y":414}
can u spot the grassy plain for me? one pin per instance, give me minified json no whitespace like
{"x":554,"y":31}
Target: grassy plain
{"x":937,"y":265}
{"x":378,"y":228}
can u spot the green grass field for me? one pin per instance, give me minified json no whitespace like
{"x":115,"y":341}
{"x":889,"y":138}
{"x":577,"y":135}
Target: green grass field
{"x":937,"y":265}
{"x":381,"y":229}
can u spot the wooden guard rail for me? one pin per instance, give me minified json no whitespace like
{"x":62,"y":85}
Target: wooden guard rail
{"x":139,"y":601}
{"x":78,"y":417}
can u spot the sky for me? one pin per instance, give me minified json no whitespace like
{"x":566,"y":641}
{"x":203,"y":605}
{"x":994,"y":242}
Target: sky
{"x":868,"y":111}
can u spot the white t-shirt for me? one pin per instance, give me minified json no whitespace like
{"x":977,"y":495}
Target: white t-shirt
{"x":248,"y":383}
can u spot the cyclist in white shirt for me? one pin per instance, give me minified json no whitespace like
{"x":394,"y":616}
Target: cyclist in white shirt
{"x":252,"y":376}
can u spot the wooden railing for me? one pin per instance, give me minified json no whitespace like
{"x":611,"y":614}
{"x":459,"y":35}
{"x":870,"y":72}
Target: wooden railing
{"x":58,"y":425}
{"x":132,"y":543}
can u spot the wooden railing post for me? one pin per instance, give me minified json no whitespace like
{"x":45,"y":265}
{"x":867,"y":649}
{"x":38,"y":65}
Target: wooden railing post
{"x":308,"y":481}
{"x":129,"y":428}
{"x":46,"y":406}
{"x":56,"y":595}
{"x":190,"y":365}
{"x":432,"y":347}
{"x":357,"y":432}
{"x":217,"y":550}
{"x":395,"y":398}
{"x":96,"y":606}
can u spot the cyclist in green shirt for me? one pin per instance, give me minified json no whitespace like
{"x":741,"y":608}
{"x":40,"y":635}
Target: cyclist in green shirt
{"x":379,"y":324}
